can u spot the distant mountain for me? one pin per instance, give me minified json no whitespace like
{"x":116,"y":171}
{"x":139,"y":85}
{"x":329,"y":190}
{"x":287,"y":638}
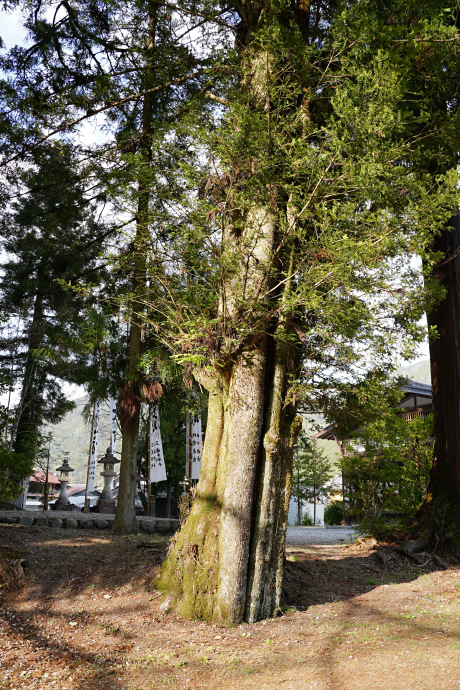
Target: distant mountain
{"x":420,"y":371}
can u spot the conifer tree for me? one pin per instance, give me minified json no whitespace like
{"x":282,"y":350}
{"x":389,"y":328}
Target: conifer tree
{"x":50,"y":238}
{"x":311,"y":470}
{"x":318,"y":203}
{"x":125,"y":519}
{"x":433,"y":79}
{"x":126,"y":60}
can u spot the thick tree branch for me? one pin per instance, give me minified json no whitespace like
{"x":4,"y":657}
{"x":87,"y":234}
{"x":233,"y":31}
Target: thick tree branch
{"x":213,"y":97}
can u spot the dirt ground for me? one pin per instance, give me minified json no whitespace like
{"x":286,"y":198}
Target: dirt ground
{"x":88,"y":617}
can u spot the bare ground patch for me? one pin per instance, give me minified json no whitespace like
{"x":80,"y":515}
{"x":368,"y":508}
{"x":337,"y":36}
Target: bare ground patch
{"x":87,"y":617}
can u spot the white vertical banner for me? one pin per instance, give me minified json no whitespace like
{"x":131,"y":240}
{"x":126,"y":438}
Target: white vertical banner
{"x":113,"y":424}
{"x":188,"y":448}
{"x":20,"y":502}
{"x":194,"y":446}
{"x":25,"y":492}
{"x":90,"y":483}
{"x":157,"y":468}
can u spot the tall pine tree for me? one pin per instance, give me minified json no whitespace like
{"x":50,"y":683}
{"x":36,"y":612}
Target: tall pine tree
{"x":311,"y":470}
{"x":132,"y":62}
{"x":51,"y":242}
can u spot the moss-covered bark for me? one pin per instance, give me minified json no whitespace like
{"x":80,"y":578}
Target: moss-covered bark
{"x":190,"y":573}
{"x":226,"y":563}
{"x":273,"y":494}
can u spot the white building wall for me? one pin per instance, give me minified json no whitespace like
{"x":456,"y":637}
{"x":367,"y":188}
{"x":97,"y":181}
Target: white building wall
{"x":292,"y":516}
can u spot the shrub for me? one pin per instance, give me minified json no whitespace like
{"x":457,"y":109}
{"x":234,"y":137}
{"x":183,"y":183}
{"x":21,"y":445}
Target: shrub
{"x":307,"y":520}
{"x":388,"y":480}
{"x":333,"y":514}
{"x":14,"y":467}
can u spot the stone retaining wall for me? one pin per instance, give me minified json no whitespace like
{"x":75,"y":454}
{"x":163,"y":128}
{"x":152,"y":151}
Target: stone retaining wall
{"x":75,"y":520}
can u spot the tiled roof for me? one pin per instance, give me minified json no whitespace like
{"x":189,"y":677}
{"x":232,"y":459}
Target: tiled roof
{"x":425,"y":386}
{"x":416,"y":388}
{"x":75,"y":489}
{"x":409,"y":387}
{"x":40,"y":476}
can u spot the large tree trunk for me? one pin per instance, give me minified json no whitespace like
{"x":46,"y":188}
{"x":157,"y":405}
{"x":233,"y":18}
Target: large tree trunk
{"x":442,"y":506}
{"x":226,"y":564}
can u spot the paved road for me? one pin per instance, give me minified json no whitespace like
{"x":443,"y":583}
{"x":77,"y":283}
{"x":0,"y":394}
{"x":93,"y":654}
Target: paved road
{"x":301,"y":536}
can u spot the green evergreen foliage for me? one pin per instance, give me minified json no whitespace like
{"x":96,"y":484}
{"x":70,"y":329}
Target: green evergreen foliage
{"x":14,"y":467}
{"x":356,"y":212}
{"x":343,"y":159}
{"x":51,"y":241}
{"x":387,"y":479}
{"x":279,"y":172}
{"x":307,"y":520}
{"x":333,"y":513}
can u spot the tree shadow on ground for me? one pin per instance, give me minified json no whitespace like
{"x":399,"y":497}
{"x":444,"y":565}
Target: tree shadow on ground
{"x":375,"y":644}
{"x":88,"y":609}
{"x":63,"y":567}
{"x":58,"y":561}
{"x":314,"y":575}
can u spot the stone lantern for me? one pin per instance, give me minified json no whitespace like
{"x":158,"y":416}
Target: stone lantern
{"x":63,"y":502}
{"x":106,"y":503}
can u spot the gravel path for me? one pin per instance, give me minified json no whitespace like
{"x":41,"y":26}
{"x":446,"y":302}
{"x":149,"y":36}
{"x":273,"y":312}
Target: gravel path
{"x":301,"y":536}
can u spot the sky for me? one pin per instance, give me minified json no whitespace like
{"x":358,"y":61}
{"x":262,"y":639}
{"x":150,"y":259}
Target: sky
{"x":11,"y":30}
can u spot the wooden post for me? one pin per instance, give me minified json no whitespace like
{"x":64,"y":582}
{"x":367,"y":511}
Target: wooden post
{"x":346,"y":517}
{"x":47,"y":488}
{"x":168,"y":497}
